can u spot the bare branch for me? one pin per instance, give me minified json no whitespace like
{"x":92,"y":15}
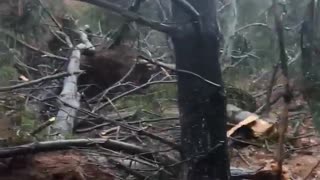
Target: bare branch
{"x":30,"y":83}
{"x":134,"y":7}
{"x":173,"y":68}
{"x":67,"y":144}
{"x":188,"y":8}
{"x":50,"y":55}
{"x":169,"y":29}
{"x":50,"y":15}
{"x":254,"y":25}
{"x":42,"y":126}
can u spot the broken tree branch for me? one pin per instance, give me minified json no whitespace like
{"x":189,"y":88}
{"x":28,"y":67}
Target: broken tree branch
{"x":68,"y":144}
{"x":37,"y":81}
{"x":42,"y":126}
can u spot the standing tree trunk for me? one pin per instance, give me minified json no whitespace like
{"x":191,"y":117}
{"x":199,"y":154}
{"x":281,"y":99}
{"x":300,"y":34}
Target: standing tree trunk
{"x":202,"y":105}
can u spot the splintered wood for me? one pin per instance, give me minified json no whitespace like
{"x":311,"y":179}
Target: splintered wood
{"x":258,"y":126}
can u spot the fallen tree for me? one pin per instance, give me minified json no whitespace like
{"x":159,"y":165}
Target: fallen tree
{"x":165,"y":161}
{"x":64,"y":122}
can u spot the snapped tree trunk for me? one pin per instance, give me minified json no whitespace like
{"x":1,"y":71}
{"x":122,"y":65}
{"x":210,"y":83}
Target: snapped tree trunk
{"x":202,"y":105}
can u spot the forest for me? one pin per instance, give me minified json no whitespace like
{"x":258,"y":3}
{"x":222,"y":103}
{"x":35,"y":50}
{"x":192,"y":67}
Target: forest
{"x":159,"y":90}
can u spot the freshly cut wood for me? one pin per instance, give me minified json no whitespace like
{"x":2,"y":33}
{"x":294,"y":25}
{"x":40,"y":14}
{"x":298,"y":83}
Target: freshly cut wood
{"x":258,"y":125}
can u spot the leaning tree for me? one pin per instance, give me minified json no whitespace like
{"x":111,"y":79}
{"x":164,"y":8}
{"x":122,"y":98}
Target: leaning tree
{"x":201,"y":96}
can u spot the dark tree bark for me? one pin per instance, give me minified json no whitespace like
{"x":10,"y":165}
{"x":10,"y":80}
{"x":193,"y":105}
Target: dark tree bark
{"x":202,"y":105}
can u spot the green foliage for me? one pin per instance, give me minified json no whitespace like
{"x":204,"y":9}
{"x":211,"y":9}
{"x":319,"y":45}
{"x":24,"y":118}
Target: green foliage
{"x":164,"y":90}
{"x":6,"y":58}
{"x":27,"y":23}
{"x":7,"y":73}
{"x":15,"y":120}
{"x":28,"y":120}
{"x":93,"y":15}
{"x":156,"y":99}
{"x":240,"y":98}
